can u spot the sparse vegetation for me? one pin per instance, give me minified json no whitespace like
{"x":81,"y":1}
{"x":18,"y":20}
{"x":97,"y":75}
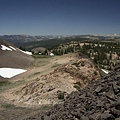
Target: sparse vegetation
{"x":76,"y":64}
{"x":41,"y":56}
{"x":77,"y":85}
{"x":33,"y":75}
{"x":56,"y":65}
{"x":4,"y":85}
{"x":36,"y":73}
{"x":95,"y":73}
{"x":61,"y":95}
{"x":105,"y":54}
{"x":6,"y":105}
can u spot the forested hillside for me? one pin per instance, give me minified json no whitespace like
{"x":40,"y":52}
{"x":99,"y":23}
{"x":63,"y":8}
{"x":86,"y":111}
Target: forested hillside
{"x":105,"y":53}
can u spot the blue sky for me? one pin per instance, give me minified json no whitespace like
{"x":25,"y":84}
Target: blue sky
{"x":59,"y":17}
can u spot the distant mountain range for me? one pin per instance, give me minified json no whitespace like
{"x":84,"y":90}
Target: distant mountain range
{"x":26,"y":38}
{"x":19,"y":40}
{"x":29,"y":40}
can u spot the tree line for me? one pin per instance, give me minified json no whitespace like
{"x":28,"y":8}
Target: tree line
{"x":104,"y":54}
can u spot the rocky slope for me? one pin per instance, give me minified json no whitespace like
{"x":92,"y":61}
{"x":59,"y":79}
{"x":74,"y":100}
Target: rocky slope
{"x":52,"y":88}
{"x":98,"y":101}
{"x":11,"y":56}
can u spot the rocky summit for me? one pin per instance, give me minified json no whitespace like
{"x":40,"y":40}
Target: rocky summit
{"x":98,"y":101}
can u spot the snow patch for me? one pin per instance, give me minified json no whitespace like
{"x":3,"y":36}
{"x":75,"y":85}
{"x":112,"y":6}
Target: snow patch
{"x":51,"y":54}
{"x":26,"y":52}
{"x":12,"y":47}
{"x":105,"y":71}
{"x":10,"y":72}
{"x":5,"y":48}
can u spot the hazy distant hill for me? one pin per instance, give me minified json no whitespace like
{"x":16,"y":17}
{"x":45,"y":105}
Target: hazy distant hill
{"x":35,"y":41}
{"x":29,"y":42}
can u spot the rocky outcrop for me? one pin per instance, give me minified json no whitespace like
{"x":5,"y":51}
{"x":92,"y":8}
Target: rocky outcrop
{"x":98,"y":101}
{"x":55,"y":86}
{"x":83,"y":71}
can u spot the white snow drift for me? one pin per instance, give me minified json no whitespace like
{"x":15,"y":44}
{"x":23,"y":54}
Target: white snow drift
{"x":10,"y":72}
{"x":26,"y":52}
{"x":5,"y":48}
{"x":10,"y":48}
{"x":105,"y":71}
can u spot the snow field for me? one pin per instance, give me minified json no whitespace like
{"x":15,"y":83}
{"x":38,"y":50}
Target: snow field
{"x":10,"y":72}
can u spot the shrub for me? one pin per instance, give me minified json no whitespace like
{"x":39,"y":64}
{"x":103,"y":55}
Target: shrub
{"x":61,"y":95}
{"x":8,"y":106}
{"x":77,"y":87}
{"x":95,"y":73}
